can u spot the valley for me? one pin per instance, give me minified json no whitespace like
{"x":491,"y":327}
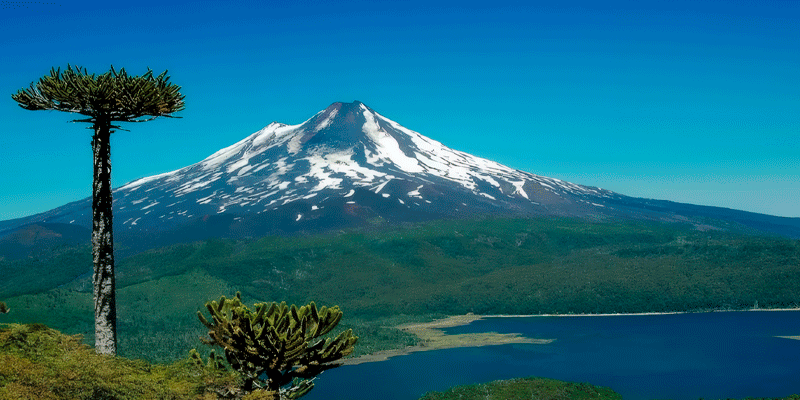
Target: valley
{"x":389,"y":276}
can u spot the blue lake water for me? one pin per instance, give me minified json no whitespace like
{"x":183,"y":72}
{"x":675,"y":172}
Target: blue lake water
{"x":681,"y":356}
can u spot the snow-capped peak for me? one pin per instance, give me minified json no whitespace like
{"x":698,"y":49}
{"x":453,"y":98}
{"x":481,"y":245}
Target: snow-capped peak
{"x":343,"y":150}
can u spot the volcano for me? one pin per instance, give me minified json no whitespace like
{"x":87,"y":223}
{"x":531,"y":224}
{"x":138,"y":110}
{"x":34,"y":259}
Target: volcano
{"x":350,"y":166}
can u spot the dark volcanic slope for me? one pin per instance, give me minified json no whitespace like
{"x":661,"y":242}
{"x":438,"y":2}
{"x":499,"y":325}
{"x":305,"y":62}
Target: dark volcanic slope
{"x":348,"y":165}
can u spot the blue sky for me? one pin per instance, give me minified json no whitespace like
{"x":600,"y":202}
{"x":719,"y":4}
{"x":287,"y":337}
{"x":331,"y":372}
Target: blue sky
{"x":690,"y":101}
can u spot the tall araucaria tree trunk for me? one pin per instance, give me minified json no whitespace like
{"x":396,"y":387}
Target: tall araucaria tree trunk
{"x":104,"y":99}
{"x":105,"y":310}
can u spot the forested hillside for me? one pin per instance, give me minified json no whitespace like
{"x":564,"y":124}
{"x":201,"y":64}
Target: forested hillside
{"x":386,"y":276}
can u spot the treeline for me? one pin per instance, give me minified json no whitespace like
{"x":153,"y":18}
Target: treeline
{"x":41,"y":363}
{"x":395,"y":275}
{"x":500,"y":266}
{"x":43,"y":272}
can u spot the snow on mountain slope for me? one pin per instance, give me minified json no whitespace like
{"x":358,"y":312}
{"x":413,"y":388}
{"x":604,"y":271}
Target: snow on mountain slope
{"x":344,"y":148}
{"x":347,"y":157}
{"x":346,"y":165}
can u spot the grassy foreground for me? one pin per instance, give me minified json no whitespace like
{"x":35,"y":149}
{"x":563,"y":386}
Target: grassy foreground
{"x":37,"y":362}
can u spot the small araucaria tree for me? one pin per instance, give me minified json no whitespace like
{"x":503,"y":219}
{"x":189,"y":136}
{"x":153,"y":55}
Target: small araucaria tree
{"x":277,"y":348}
{"x":104,"y":99}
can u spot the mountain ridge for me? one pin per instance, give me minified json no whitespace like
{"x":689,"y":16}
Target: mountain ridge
{"x":348,"y":165}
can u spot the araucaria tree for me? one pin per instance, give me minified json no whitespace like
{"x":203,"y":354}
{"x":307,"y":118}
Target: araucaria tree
{"x":277,"y":348}
{"x":105,"y":100}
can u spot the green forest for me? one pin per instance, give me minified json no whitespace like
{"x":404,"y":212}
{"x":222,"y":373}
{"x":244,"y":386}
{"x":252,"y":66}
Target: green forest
{"x":383,"y":277}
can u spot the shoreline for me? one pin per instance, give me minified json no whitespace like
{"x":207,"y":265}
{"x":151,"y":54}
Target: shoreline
{"x":433,"y":338}
{"x":633,"y":314}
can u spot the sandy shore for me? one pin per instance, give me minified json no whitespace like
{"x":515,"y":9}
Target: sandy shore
{"x":433,"y":338}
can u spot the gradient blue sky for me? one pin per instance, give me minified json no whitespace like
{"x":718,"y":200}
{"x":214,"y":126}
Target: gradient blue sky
{"x":690,"y":101}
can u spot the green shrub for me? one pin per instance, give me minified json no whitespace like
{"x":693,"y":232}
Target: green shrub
{"x":525,"y":389}
{"x":278,"y":350}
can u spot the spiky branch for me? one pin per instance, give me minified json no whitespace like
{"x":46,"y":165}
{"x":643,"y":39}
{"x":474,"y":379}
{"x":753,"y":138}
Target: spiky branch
{"x":112,"y":96}
{"x":277,"y":341}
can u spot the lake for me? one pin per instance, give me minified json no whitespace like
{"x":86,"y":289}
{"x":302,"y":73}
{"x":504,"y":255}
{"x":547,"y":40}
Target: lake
{"x":679,"y":356}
